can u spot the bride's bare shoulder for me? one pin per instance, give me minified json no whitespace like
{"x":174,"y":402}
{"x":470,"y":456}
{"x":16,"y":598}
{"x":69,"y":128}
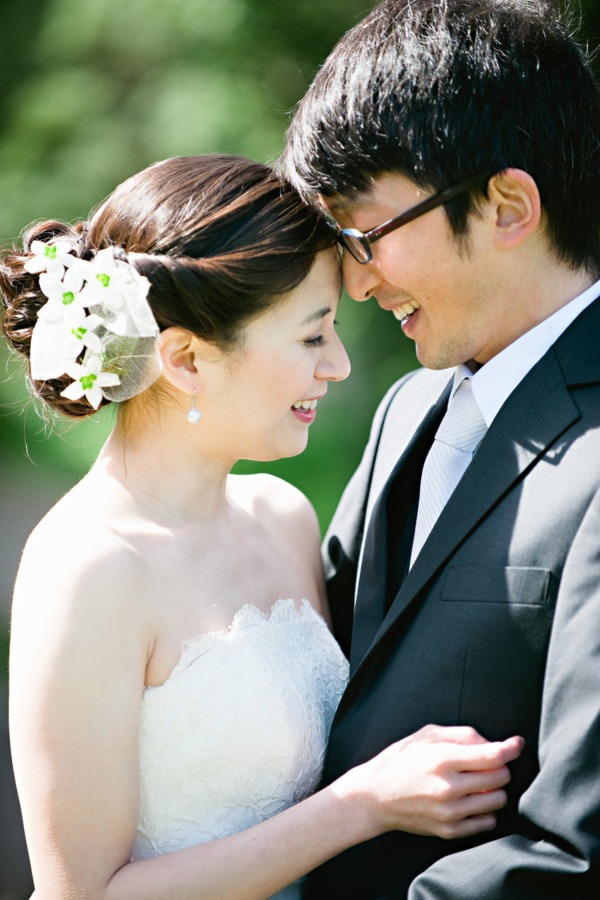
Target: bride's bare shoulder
{"x":285,"y":516}
{"x":273,"y":499}
{"x":80,"y":618}
{"x":75,"y":555}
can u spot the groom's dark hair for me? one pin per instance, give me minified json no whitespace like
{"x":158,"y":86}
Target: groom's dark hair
{"x":444,"y":90}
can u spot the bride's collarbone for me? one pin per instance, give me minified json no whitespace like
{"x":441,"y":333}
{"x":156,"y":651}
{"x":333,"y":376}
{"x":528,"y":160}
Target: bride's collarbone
{"x":203,"y":595}
{"x":186,"y":620}
{"x":198,"y":578}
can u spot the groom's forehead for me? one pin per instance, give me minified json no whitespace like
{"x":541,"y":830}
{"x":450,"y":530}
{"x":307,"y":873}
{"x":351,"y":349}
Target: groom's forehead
{"x":355,"y":199}
{"x":339,"y":203}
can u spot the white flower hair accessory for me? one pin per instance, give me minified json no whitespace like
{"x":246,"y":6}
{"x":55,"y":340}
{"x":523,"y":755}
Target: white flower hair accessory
{"x":98,"y":308}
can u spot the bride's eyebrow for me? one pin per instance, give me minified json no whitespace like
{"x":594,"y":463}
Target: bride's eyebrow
{"x":317,"y":315}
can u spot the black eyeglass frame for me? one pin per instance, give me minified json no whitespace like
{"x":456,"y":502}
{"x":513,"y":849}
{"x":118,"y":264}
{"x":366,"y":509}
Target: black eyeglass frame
{"x":366,"y":238}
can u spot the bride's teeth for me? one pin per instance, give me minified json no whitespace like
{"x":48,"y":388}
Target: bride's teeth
{"x":305,"y":404}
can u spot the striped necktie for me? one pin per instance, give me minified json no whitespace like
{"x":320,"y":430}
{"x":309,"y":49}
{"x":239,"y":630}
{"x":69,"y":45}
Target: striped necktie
{"x":460,"y":433}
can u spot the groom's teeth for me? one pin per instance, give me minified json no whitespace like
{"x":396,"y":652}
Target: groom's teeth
{"x":405,"y":309}
{"x":305,"y":404}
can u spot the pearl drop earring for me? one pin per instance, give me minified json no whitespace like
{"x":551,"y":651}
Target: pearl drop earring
{"x":194,"y":415}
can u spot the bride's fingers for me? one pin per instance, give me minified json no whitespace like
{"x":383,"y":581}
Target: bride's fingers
{"x":476,"y":757}
{"x":467,"y":827}
{"x":479,"y":804}
{"x":469,"y":815}
{"x":477,"y":782}
{"x":456,"y":734}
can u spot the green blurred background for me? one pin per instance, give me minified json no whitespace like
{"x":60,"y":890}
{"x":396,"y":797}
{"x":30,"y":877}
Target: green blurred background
{"x":94,"y":91}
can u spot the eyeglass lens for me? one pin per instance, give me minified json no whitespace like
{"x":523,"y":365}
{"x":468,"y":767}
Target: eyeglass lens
{"x":356,"y":245}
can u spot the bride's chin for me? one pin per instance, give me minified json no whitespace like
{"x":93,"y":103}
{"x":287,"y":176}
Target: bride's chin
{"x":272,"y":455}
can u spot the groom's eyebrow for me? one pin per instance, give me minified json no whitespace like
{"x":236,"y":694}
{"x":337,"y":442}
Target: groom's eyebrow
{"x":316,"y":316}
{"x":353,"y":200}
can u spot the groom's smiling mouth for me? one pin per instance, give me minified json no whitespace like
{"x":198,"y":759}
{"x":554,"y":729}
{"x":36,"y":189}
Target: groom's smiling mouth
{"x":406,"y":310}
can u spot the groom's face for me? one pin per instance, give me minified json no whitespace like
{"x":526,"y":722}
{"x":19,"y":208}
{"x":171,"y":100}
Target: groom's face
{"x":445,"y":292}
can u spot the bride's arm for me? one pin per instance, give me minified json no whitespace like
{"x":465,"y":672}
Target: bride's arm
{"x":80,"y":644}
{"x":392,"y":791}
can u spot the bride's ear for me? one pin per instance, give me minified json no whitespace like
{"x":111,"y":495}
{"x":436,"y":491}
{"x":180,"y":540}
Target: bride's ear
{"x":183,"y":355}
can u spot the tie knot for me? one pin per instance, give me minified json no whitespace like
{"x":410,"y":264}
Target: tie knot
{"x":463,"y":426}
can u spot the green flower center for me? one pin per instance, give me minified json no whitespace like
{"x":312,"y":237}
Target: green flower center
{"x":103,"y":279}
{"x":50,"y":251}
{"x":87,"y":382}
{"x":79,"y":333}
{"x":68,"y":297}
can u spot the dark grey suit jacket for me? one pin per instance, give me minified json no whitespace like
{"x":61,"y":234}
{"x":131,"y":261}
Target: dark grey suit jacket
{"x":497,"y":625}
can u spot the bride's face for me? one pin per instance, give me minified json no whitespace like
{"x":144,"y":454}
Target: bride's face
{"x":265,"y":394}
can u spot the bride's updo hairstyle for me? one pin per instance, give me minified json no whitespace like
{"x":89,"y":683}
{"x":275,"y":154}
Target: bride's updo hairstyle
{"x":220,"y":238}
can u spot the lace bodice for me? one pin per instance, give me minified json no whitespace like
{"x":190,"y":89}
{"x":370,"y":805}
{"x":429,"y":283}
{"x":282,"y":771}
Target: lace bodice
{"x":237,"y":733}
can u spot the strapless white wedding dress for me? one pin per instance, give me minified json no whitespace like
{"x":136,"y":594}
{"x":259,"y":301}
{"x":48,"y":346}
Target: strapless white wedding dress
{"x":238,"y":731}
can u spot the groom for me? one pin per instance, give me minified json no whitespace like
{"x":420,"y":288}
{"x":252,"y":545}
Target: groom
{"x":464,"y":559}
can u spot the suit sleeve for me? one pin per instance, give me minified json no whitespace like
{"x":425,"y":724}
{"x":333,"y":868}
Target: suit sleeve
{"x":561,"y":808}
{"x":342,"y":542}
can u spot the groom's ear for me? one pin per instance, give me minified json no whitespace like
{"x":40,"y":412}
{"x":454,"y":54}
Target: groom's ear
{"x":183,"y":355}
{"x":517,"y":207}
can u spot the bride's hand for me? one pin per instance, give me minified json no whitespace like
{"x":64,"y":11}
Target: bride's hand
{"x":440,"y":781}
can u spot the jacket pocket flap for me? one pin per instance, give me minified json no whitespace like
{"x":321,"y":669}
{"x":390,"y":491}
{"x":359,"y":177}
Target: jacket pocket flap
{"x":522,"y":585}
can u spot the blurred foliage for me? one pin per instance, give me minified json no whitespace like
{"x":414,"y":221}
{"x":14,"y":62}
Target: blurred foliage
{"x":94,"y":91}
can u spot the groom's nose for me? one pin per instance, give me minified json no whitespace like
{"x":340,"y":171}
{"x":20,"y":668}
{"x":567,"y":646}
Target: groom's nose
{"x":360,"y":280}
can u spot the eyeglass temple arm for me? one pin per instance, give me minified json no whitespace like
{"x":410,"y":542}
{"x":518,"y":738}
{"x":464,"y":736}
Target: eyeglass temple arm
{"x":421,"y":208}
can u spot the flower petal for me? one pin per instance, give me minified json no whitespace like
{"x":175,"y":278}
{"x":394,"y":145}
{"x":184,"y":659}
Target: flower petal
{"x":117,"y":324}
{"x":94,"y":396}
{"x":75,"y":370}
{"x":49,"y":285}
{"x":73,"y":392}
{"x":35,"y":264}
{"x":108,"y":379}
{"x":51,"y":311}
{"x":92,"y":341}
{"x":50,"y":350}
{"x":73,"y":280}
{"x":105,"y":260}
{"x":92,"y":321}
{"x":92,"y":363}
{"x":55,"y":268}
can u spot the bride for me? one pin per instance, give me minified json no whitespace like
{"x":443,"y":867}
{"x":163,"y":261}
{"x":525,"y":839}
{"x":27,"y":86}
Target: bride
{"x":173,"y":678}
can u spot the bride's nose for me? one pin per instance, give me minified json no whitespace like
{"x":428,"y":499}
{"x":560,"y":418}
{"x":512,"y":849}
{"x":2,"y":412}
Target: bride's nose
{"x":334,"y":364}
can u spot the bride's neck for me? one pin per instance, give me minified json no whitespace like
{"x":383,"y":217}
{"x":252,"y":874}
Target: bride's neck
{"x":165,"y":471}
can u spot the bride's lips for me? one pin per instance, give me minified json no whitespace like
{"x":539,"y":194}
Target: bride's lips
{"x":306,"y":410}
{"x":305,"y":415}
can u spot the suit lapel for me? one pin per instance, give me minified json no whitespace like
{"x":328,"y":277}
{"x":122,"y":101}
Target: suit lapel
{"x":371,"y":594}
{"x":532,"y":419}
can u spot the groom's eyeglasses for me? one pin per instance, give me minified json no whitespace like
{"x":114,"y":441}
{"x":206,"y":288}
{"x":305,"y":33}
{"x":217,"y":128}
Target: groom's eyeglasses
{"x":358,"y":243}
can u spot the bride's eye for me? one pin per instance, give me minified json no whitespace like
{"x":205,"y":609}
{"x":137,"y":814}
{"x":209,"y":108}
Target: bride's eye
{"x":315,"y":342}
